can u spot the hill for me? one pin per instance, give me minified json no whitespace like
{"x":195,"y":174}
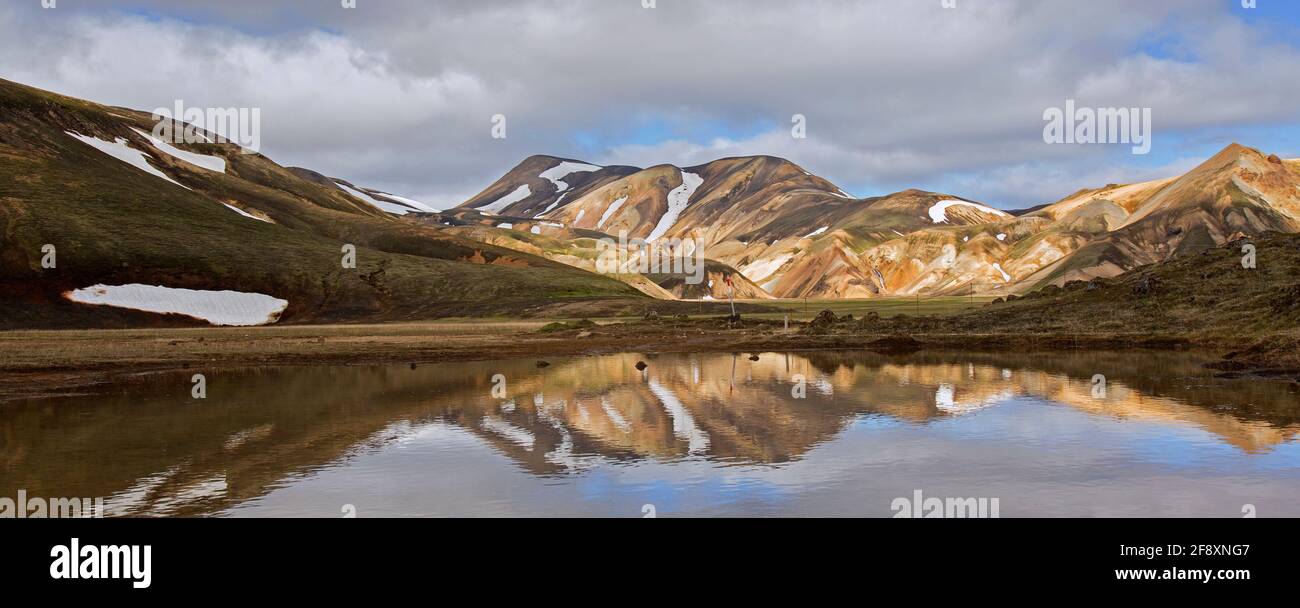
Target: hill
{"x":121,"y":207}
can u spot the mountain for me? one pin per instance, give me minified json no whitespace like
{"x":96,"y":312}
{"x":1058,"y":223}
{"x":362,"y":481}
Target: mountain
{"x":134,"y":222}
{"x":792,"y":234}
{"x":1239,"y":192}
{"x":784,"y":231}
{"x":122,"y":208}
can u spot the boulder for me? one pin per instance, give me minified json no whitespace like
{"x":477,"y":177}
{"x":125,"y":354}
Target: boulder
{"x":824,"y":320}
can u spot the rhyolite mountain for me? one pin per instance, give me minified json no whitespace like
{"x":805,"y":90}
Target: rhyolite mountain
{"x":793,"y":234}
{"x":122,"y":208}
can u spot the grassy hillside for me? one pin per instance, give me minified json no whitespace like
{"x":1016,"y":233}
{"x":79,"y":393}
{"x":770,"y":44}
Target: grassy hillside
{"x":1207,"y":299}
{"x":114,"y":224}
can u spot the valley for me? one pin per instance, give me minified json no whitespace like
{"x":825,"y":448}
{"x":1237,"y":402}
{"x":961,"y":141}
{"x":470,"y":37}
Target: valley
{"x":181,"y":232}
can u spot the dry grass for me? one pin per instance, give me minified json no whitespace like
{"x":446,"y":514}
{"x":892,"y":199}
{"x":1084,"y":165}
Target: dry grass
{"x":885,"y":307}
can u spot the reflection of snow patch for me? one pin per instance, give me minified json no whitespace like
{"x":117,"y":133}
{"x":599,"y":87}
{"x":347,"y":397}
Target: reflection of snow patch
{"x":509,"y":432}
{"x":824,"y":386}
{"x":614,"y":416}
{"x":945,"y":401}
{"x":683,"y":423}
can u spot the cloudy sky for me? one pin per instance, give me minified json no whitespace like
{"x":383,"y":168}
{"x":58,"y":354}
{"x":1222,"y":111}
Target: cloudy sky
{"x":399,"y":94}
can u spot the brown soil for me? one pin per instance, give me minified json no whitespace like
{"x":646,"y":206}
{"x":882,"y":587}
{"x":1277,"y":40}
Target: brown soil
{"x":48,"y":363}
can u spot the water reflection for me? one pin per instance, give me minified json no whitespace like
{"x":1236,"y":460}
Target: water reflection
{"x":594,"y":433}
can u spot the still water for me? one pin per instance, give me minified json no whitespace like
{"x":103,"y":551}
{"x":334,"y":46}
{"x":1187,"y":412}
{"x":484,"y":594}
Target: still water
{"x":692,"y":435}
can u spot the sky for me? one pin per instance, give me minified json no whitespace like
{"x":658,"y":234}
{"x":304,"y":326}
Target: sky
{"x":400,"y":95}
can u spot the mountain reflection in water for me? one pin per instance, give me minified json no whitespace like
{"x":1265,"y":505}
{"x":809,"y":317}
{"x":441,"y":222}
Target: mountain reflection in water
{"x":696,"y":434}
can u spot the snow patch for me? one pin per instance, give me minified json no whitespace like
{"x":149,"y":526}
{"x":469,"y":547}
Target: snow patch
{"x":610,"y":211}
{"x":939,"y":212}
{"x":677,"y":201}
{"x":536,"y":230}
{"x":121,"y":151}
{"x":216,"y":307}
{"x":581,"y":212}
{"x":385,"y":206}
{"x":1002,"y":237}
{"x":565,"y":169}
{"x":553,"y":205}
{"x":761,"y":269}
{"x":506,"y":226}
{"x":412,"y":202}
{"x":500,"y":204}
{"x":998,"y":267}
{"x":816,"y":232}
{"x":211,"y":163}
{"x":246,"y":214}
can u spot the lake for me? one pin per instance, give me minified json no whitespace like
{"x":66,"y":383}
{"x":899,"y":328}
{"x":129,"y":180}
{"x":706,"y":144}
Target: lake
{"x":799,"y":434}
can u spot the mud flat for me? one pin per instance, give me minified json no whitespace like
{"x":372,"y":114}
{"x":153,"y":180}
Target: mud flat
{"x":35,"y":364}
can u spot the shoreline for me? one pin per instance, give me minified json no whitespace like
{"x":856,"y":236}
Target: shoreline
{"x":42,"y":364}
